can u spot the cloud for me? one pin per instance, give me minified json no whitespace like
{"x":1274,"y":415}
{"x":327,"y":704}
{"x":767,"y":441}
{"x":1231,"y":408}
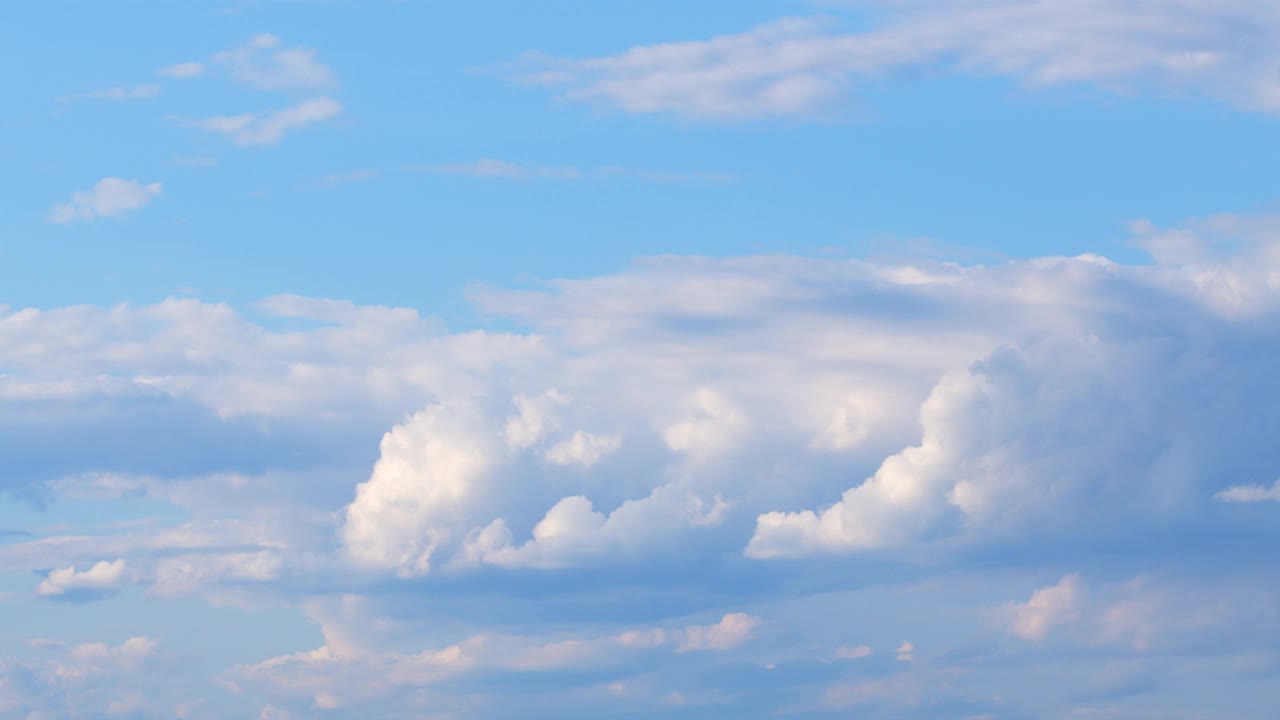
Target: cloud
{"x":108,"y":197}
{"x":502,"y":169}
{"x":332,"y":678}
{"x":732,"y":631}
{"x":117,"y":94}
{"x":802,"y":66}
{"x":1048,"y":608}
{"x":856,"y":652}
{"x":490,"y":168}
{"x":193,"y":161}
{"x":1250,"y":493}
{"x":267,"y":128}
{"x":263,"y":64}
{"x":1072,"y":416}
{"x":182,"y":70}
{"x":67,"y":582}
{"x":583,"y":449}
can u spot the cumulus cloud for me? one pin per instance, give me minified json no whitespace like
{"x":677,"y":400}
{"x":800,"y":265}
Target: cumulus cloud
{"x":67,"y":582}
{"x":583,"y":449}
{"x":1048,"y":608}
{"x":732,"y":631}
{"x":797,"y":66}
{"x":936,"y":410}
{"x":109,"y":197}
{"x":267,"y":128}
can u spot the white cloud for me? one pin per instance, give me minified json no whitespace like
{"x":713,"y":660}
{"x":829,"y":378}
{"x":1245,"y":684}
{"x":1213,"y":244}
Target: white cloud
{"x":731,"y":632}
{"x":182,"y":70}
{"x":108,"y":197}
{"x":264,"y":64}
{"x":803,"y":65}
{"x":906,"y":652}
{"x":856,"y":652}
{"x":490,"y":168}
{"x":267,"y":128}
{"x":102,"y":575}
{"x":1250,"y":493}
{"x":335,"y":678}
{"x":1047,"y":609}
{"x":119,"y":93}
{"x":583,"y":449}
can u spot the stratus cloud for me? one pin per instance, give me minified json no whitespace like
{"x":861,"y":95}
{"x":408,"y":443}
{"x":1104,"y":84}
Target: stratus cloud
{"x":796,"y":65}
{"x":103,"y":575}
{"x":109,"y":197}
{"x":267,"y":128}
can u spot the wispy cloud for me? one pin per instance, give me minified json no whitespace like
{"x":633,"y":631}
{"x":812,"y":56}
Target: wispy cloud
{"x":183,"y":70}
{"x":120,"y":93}
{"x":267,"y":128}
{"x":263,"y":63}
{"x":800,"y":66}
{"x":490,"y":168}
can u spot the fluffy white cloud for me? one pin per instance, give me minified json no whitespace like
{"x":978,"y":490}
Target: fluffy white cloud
{"x":732,"y":631}
{"x":108,"y":197}
{"x":583,"y":449}
{"x":1048,"y":608}
{"x":103,"y":575}
{"x":803,"y":65}
{"x":267,"y":128}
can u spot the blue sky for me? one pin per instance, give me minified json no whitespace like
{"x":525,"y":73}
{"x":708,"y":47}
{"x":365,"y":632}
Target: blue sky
{"x":874,"y":358}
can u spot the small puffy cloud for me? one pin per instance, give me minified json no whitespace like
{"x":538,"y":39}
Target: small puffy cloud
{"x":109,"y":197}
{"x":731,"y":632}
{"x":583,"y":449}
{"x":182,"y":70}
{"x":67,"y":582}
{"x":856,"y":652}
{"x":265,"y":64}
{"x":1047,"y":609}
{"x":268,"y":128}
{"x":1250,"y":493}
{"x":906,"y":652}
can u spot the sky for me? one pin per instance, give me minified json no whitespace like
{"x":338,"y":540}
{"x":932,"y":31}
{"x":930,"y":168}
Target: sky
{"x":883,"y":359}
